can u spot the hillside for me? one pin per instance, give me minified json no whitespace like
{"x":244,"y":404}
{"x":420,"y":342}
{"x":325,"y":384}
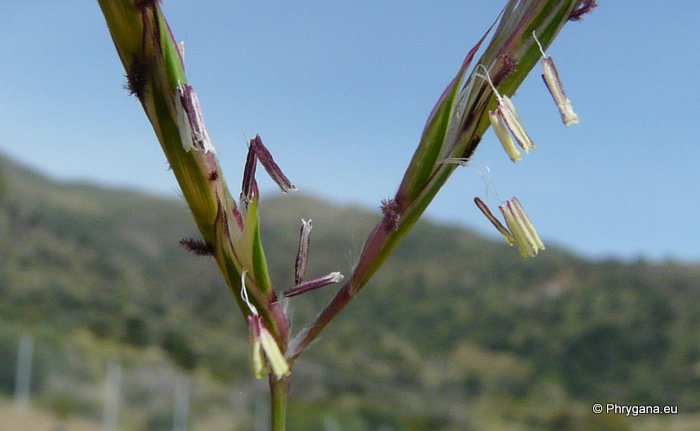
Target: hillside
{"x":456,"y":332}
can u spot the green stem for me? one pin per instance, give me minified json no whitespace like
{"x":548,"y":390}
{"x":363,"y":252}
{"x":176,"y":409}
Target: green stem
{"x":278,"y":403}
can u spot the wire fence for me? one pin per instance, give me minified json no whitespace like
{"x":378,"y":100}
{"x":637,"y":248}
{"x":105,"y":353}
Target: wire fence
{"x":111,"y":392}
{"x":121,"y":386}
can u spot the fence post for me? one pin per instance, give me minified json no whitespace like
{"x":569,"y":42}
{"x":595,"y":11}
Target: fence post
{"x":23,"y":377}
{"x":182,"y":403}
{"x":111,"y":397}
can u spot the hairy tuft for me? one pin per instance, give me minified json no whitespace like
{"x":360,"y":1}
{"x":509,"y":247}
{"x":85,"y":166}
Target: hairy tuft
{"x":508,"y":66}
{"x":137,"y":78}
{"x":199,"y":248}
{"x":584,"y":8}
{"x":390,"y":209}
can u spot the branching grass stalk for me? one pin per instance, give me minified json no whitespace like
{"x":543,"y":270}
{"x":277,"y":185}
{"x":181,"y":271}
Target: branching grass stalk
{"x":230,"y":230}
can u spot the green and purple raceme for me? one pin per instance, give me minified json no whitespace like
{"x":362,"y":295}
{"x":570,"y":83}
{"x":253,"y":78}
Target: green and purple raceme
{"x":478,"y":97}
{"x":454,"y":129}
{"x":230,"y":230}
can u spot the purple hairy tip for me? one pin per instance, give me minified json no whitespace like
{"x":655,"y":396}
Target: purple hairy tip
{"x":214,"y":175}
{"x":137,"y":78}
{"x":508,"y":66}
{"x":584,"y":8}
{"x":199,"y":248}
{"x":390,"y":209}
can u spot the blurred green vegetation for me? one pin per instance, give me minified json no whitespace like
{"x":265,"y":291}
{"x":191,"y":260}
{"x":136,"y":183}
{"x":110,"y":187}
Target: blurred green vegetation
{"x":456,"y":332}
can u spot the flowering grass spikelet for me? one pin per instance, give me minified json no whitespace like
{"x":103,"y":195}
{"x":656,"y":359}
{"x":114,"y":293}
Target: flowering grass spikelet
{"x":501,"y":130}
{"x":190,"y":121}
{"x":497,"y":223}
{"x":255,"y":352}
{"x":518,"y":229}
{"x":552,"y":80}
{"x":279,"y":365}
{"x":506,"y":122}
{"x":521,"y":228}
{"x":265,"y":354}
{"x":510,"y":116}
{"x":525,"y":220}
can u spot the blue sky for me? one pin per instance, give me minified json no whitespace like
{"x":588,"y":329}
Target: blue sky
{"x":339,"y":92}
